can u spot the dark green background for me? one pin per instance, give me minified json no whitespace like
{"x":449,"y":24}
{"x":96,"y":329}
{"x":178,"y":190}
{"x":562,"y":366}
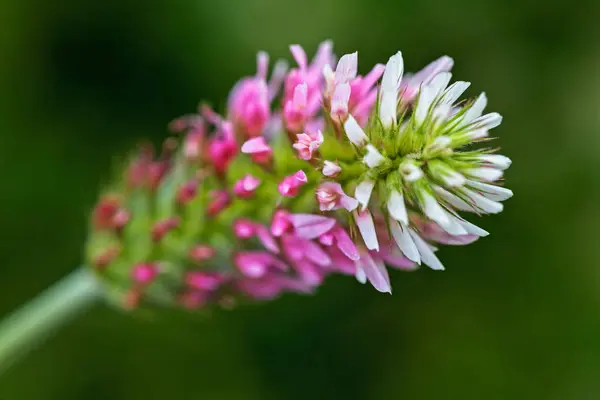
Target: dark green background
{"x":515,"y":316}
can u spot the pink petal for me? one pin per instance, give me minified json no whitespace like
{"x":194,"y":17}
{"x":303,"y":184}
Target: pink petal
{"x":299,"y":55}
{"x":345,"y":243}
{"x":310,"y":226}
{"x":376,"y":273}
{"x":266,"y":239}
{"x":255,"y":145}
{"x":316,"y":254}
{"x":309,"y":273}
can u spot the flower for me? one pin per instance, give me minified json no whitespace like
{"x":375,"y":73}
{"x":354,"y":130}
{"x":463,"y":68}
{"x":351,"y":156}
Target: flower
{"x":250,"y":99}
{"x":346,"y":92}
{"x":331,"y":169}
{"x":331,"y":196}
{"x":338,"y":174}
{"x":258,"y":149}
{"x":290,"y":185}
{"x":431,"y":176}
{"x":245,"y":187}
{"x":307,"y":144}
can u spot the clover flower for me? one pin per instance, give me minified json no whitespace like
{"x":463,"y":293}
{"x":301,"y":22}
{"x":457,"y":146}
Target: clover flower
{"x":338,"y":173}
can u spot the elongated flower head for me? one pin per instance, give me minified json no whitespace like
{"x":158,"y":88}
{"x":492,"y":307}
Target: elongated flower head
{"x":347,"y":174}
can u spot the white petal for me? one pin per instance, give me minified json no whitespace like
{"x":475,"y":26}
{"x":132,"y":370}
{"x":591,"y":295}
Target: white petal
{"x":365,"y":224}
{"x":346,"y":68}
{"x":410,"y":171}
{"x":426,"y":97}
{"x":477,"y":134}
{"x":454,"y":92}
{"x":328,"y":74}
{"x":390,"y":84}
{"x":496,"y":160}
{"x":354,"y":132}
{"x":473,"y":229}
{"x":441,"y":113}
{"x":476,"y":109}
{"x":492,"y":192}
{"x":360,"y":273}
{"x":454,"y":227}
{"x":488,"y":121}
{"x":373,"y":158}
{"x":483,"y":203}
{"x":453,"y":178}
{"x":427,"y":256}
{"x":397,"y":208}
{"x":440,"y":82}
{"x":485,"y":173}
{"x":404,"y":241}
{"x":440,"y":142}
{"x":393,"y":73}
{"x":363,"y":192}
{"x":454,"y":200}
{"x":433,"y":210}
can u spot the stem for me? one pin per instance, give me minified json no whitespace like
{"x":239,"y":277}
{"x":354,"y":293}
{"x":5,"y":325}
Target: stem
{"x":32,"y":323}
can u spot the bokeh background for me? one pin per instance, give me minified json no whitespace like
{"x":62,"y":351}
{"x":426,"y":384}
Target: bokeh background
{"x":515,"y":316}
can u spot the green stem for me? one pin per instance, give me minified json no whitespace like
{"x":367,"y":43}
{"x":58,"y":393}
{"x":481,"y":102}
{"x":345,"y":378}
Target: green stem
{"x":33,"y":322}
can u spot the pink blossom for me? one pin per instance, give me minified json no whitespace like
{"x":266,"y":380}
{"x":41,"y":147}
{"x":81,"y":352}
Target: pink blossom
{"x":363,"y":94}
{"x":309,"y":75}
{"x":259,"y":150}
{"x":144,"y":273}
{"x":331,"y":169}
{"x":290,"y":185}
{"x":331,"y":196}
{"x":187,"y":191}
{"x":192,"y":122}
{"x":249,"y":104}
{"x":245,"y":187}
{"x":256,"y":264}
{"x":307,"y":144}
{"x":205,"y":281}
{"x":219,"y":201}
{"x":339,"y":102}
{"x":344,"y":72}
{"x":295,"y":110}
{"x":244,"y":228}
{"x":222,"y":148}
{"x":200,"y":253}
{"x":346,"y":93}
{"x":193,"y":145}
{"x":281,"y":223}
{"x":161,"y":228}
{"x":193,"y":299}
{"x":109,"y":214}
{"x":272,"y":285}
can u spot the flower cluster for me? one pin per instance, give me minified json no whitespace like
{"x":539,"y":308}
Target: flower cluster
{"x":312,"y":170}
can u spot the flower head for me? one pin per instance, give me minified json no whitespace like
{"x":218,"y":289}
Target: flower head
{"x":342,"y":173}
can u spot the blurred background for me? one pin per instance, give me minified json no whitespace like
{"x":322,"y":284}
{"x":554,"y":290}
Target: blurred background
{"x":515,"y":316}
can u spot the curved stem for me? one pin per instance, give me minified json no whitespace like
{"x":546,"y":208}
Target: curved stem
{"x":33,"y":322}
